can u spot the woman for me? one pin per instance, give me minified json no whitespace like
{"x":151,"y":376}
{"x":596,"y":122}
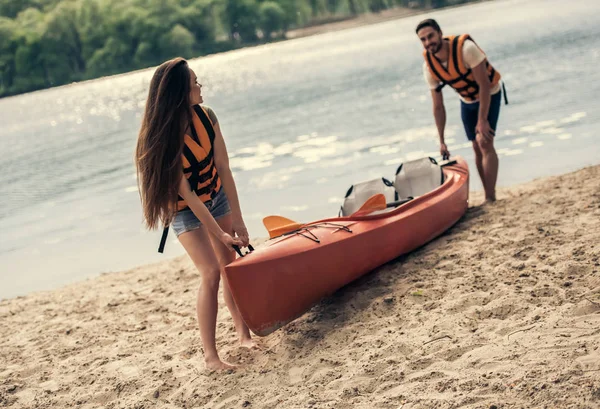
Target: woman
{"x":185,"y":180}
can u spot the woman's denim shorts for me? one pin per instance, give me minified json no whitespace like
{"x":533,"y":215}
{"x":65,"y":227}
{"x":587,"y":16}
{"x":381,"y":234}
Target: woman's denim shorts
{"x":186,"y":220}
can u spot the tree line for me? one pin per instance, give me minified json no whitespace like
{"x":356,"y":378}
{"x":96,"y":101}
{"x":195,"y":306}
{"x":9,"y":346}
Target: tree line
{"x":45,"y":43}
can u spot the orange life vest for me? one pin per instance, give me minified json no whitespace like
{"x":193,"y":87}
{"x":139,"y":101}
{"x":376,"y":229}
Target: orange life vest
{"x":198,"y":159}
{"x":456,"y":74}
{"x":198,"y":163}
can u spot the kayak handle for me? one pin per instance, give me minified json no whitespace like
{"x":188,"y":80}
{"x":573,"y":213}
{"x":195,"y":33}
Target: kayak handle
{"x":237,"y":250}
{"x":449,"y":163}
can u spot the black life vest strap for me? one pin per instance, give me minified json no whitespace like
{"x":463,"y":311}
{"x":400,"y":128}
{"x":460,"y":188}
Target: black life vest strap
{"x":435,"y":71}
{"x":454,"y":47}
{"x":163,"y":239}
{"x":194,"y":133}
{"x":463,"y":76}
{"x":206,"y":122}
{"x":196,"y":166}
{"x":208,"y":188}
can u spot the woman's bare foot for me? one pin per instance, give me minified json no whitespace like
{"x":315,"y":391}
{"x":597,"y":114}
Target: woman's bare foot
{"x":215,"y":364}
{"x":248,"y":343}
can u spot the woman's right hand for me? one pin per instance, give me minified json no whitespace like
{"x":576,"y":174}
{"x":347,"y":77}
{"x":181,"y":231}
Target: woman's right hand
{"x":229,"y":241}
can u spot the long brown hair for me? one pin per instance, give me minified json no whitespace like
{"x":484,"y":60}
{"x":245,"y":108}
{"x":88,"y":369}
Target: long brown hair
{"x":160,"y":141}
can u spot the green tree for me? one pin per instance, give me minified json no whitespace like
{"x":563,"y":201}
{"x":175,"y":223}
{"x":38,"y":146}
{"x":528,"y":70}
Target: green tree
{"x":319,"y":7}
{"x":30,"y":66}
{"x":297,"y":12}
{"x":242,"y":20}
{"x":11,"y":8}
{"x":177,"y":42}
{"x":199,"y":18}
{"x":92,"y":26}
{"x":8,"y":47}
{"x":378,"y":5}
{"x":272,"y":18}
{"x":63,"y":42}
{"x":113,"y":58}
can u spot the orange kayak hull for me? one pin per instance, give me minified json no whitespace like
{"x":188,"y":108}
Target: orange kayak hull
{"x":280,"y":281}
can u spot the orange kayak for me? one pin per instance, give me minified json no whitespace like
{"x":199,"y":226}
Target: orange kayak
{"x":280,"y":281}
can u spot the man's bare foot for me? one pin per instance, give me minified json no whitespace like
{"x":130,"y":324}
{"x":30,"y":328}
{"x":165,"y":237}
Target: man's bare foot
{"x":215,"y":364}
{"x":488,"y":201}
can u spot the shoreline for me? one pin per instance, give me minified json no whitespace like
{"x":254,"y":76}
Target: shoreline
{"x":343,"y":24}
{"x":360,"y":20}
{"x":501,"y":310}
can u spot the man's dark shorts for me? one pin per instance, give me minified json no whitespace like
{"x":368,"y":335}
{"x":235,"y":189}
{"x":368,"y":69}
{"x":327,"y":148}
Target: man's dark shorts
{"x":470,"y":113}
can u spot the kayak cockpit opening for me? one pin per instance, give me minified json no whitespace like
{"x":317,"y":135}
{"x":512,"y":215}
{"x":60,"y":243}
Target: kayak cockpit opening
{"x":413,"y":179}
{"x":418,"y":177}
{"x":358,"y":194}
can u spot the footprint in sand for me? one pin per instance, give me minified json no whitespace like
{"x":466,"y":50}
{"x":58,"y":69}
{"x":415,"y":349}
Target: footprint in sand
{"x":228,"y":400}
{"x":295,"y":374}
{"x":466,"y":302}
{"x":500,"y":312}
{"x":455,"y":353}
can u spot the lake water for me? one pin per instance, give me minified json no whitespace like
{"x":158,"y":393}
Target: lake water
{"x":302,"y":120}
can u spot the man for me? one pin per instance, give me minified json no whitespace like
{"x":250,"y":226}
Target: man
{"x":458,"y":61}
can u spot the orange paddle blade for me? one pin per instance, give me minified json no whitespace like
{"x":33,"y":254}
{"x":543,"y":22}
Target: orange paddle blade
{"x":278,"y":225}
{"x":375,"y":202}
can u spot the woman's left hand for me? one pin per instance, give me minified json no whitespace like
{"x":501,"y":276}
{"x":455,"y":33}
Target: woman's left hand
{"x":239,"y":229}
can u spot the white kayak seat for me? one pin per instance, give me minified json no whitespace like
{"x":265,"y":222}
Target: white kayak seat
{"x":359,"y":193}
{"x":418,"y":177}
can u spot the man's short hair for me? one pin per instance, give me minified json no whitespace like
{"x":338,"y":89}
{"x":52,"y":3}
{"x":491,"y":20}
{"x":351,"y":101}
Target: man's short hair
{"x":428,"y":23}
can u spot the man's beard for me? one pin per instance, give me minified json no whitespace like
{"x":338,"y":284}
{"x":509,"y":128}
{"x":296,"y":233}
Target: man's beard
{"x":436,"y":49}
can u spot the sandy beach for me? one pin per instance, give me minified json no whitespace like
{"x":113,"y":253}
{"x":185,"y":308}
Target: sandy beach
{"x":502,"y":311}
